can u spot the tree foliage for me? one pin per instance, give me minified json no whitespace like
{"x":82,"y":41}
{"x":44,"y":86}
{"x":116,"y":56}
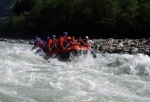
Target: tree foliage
{"x":96,"y":18}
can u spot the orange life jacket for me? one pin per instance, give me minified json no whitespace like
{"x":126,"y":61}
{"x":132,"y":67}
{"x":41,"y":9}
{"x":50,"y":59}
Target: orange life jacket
{"x":49,"y":43}
{"x":63,"y":41}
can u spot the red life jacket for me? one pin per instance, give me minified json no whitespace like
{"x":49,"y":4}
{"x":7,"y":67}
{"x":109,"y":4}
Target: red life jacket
{"x":80,"y":42}
{"x":61,"y":42}
{"x":54,"y":43}
{"x":87,"y":44}
{"x":73,"y":43}
{"x":40,"y":43}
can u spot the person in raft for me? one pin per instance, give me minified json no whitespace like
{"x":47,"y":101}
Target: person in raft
{"x":86,"y":42}
{"x":53,"y":43}
{"x":38,"y":43}
{"x":36,"y":40}
{"x":46,"y":44}
{"x":80,"y":41}
{"x":73,"y":41}
{"x":63,"y":41}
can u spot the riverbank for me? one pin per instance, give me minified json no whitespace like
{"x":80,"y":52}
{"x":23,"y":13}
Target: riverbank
{"x":120,"y":46}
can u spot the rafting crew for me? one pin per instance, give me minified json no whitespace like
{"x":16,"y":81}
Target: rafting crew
{"x":61,"y":43}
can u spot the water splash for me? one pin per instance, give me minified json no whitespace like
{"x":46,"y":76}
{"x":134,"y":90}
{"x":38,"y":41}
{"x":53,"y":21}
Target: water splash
{"x":25,"y":76}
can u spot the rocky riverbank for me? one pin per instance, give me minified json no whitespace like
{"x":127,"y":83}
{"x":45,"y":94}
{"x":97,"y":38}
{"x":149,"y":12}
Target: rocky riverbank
{"x":120,"y":46}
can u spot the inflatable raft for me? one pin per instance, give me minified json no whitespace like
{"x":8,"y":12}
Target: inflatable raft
{"x":74,"y":50}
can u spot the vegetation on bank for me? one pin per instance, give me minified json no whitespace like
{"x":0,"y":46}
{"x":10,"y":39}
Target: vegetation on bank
{"x":96,"y":18}
{"x":5,"y":10}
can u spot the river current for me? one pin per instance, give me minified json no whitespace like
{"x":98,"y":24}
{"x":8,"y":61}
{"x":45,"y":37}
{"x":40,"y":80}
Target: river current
{"x":28,"y":77}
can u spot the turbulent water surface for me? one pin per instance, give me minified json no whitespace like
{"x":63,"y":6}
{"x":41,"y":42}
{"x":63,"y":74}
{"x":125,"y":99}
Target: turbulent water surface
{"x":26,"y":77}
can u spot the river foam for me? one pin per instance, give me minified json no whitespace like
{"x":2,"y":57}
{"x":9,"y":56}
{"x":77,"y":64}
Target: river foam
{"x":25,"y":76}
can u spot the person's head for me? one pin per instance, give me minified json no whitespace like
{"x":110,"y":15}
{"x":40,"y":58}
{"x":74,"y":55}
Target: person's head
{"x":65,"y":33}
{"x":47,"y":38}
{"x":53,"y":36}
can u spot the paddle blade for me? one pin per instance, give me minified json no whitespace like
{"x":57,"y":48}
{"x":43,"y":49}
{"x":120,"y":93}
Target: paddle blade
{"x":94,"y":55}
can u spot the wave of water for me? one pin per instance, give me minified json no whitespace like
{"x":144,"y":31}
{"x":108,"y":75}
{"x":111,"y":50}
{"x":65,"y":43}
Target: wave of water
{"x":26,"y":77}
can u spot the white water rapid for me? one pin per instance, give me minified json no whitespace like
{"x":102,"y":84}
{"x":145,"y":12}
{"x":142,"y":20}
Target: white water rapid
{"x":26,"y":77}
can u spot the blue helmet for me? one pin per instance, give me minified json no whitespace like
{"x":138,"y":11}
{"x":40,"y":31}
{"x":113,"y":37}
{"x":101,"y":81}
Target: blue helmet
{"x":48,"y":38}
{"x":65,"y":33}
{"x":53,"y":36}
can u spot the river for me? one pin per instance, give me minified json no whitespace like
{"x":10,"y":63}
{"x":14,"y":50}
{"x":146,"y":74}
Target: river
{"x":28,"y":77}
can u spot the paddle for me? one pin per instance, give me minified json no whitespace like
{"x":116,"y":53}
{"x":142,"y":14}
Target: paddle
{"x":37,"y":51}
{"x":92,"y":52}
{"x":53,"y":45}
{"x":68,"y":44}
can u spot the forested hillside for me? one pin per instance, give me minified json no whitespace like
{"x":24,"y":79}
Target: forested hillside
{"x":5,"y":9}
{"x":96,"y":18}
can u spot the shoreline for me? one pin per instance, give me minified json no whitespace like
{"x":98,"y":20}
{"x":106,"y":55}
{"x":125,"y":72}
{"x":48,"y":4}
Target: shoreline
{"x":120,"y":46}
{"x":123,"y":46}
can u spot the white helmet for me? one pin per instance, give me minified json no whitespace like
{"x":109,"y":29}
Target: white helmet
{"x":86,"y":37}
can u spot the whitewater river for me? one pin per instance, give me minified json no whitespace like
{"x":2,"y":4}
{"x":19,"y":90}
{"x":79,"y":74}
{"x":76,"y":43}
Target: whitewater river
{"x":26,"y":77}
